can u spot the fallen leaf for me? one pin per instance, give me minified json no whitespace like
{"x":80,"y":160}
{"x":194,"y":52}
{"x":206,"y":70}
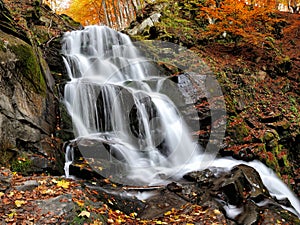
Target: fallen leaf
{"x":54,"y":181}
{"x":106,"y":180}
{"x":80,"y":203}
{"x":84,"y":213}
{"x":1,"y":194}
{"x":48,"y":191}
{"x":19,"y":203}
{"x":12,"y":214}
{"x":63,"y":184}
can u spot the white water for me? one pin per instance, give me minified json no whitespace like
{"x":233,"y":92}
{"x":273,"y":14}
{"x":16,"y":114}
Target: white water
{"x":109,"y":98}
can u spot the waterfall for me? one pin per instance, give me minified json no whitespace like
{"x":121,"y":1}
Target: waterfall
{"x":113,"y":94}
{"x":121,"y":116}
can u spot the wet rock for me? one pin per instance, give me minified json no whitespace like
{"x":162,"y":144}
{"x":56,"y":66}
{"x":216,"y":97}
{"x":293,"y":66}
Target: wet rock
{"x":203,"y":178}
{"x":249,"y":216}
{"x":174,"y":187}
{"x":118,"y":199}
{"x":164,"y":201}
{"x":239,"y":193}
{"x":242,"y":184}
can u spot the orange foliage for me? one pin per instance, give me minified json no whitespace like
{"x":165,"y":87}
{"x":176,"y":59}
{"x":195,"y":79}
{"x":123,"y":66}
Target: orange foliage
{"x":113,"y":13}
{"x":237,"y":20}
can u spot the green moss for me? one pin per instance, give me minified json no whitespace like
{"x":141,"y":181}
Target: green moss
{"x":238,"y":128}
{"x":70,"y":21}
{"x":29,"y":67}
{"x":21,"y":165}
{"x":268,"y":136}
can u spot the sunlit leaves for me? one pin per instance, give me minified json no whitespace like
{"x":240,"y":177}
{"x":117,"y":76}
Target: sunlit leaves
{"x":115,"y":13}
{"x":238,"y":21}
{"x":19,"y":203}
{"x":63,"y":184}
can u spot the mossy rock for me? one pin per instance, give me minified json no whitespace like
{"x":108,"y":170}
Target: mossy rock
{"x":70,"y":21}
{"x":29,"y":67}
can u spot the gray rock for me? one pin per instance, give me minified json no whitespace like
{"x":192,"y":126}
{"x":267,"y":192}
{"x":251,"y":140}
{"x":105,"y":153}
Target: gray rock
{"x":58,"y":206}
{"x":28,"y":185}
{"x":146,"y":24}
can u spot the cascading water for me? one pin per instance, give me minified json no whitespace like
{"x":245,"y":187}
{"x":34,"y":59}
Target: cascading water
{"x":114,"y":99}
{"x":110,"y":95}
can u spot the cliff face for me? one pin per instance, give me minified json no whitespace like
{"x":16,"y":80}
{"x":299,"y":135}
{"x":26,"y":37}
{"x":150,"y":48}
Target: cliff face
{"x":29,"y":61}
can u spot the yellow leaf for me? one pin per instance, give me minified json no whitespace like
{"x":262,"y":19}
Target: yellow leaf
{"x":11,"y":194}
{"x":1,"y":194}
{"x":120,"y":220}
{"x":12,"y":214}
{"x":168,"y":213}
{"x":63,"y":184}
{"x":19,"y":203}
{"x":84,"y":213}
{"x":133,"y":214}
{"x":80,"y":203}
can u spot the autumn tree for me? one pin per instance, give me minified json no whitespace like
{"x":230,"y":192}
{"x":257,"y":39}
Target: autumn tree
{"x":293,"y":5}
{"x":238,"y":20}
{"x":113,"y":13}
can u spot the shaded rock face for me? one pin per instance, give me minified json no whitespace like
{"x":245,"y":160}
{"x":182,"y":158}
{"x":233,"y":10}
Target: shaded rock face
{"x":28,"y":103}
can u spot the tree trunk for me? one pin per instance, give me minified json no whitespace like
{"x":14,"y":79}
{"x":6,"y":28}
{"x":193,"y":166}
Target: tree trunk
{"x":108,"y":22}
{"x":117,"y":18}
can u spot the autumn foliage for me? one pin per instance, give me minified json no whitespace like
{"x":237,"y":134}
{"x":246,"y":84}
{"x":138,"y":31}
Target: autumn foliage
{"x":236,"y":21}
{"x":116,"y":14}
